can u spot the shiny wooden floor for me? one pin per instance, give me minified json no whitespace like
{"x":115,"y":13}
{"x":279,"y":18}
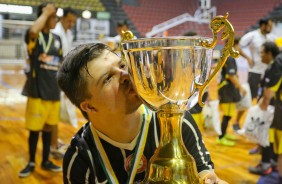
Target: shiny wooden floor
{"x":230,"y":163}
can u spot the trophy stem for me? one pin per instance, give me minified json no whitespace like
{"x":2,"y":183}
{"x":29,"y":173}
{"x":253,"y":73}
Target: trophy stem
{"x":171,"y":162}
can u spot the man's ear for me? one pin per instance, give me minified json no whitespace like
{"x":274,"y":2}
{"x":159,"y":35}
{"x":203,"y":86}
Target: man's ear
{"x":87,"y":107}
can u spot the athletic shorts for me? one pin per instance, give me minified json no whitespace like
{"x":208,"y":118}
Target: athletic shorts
{"x":275,"y":137}
{"x":39,"y":112}
{"x":254,"y":82}
{"x":228,"y":109}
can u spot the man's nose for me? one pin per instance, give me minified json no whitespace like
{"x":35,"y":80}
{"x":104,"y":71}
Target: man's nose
{"x":124,"y":78}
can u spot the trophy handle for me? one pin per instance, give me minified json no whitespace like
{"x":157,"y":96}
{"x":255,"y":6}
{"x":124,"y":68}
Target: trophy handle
{"x":126,"y":35}
{"x":218,"y":23}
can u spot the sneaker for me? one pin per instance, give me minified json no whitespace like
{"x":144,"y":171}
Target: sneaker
{"x":48,"y":165}
{"x":231,"y":137}
{"x":260,"y":170}
{"x":225,"y":142}
{"x":274,"y":165}
{"x":256,"y":150}
{"x":27,"y":170}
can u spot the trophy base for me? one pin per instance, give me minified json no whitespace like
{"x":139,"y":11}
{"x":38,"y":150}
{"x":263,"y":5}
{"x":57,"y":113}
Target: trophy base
{"x":172,"y":171}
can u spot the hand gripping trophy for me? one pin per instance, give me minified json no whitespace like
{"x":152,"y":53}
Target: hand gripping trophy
{"x":168,"y":73}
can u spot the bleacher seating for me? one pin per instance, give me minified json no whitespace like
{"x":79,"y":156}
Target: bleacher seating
{"x":150,"y":13}
{"x":242,"y":14}
{"x":276,"y":14}
{"x":118,"y":15}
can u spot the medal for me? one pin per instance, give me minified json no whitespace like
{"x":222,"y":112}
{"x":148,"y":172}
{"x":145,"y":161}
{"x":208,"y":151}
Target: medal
{"x":46,"y":48}
{"x":104,"y":160}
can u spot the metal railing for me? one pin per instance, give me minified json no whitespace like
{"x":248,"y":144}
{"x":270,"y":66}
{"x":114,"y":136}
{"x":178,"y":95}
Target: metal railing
{"x":199,"y":17}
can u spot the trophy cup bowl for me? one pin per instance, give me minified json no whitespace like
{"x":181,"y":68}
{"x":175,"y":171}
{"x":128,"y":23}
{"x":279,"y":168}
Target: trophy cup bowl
{"x":164,"y":70}
{"x":169,"y":73}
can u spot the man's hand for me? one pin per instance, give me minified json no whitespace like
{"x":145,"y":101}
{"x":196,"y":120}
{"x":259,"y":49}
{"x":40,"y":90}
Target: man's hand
{"x":209,"y":177}
{"x":49,"y":9}
{"x":242,"y":90}
{"x":219,"y":181}
{"x":250,"y":61}
{"x":268,"y":94}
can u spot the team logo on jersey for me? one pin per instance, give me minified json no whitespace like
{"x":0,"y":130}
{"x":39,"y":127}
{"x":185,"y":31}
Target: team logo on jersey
{"x":142,"y":165}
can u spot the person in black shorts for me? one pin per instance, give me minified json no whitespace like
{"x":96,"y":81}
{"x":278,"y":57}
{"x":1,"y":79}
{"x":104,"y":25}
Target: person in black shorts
{"x":96,"y":80}
{"x":272,"y":84}
{"x":41,"y":88}
{"x":229,"y":91}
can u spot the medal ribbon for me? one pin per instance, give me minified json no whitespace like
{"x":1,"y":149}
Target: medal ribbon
{"x":146,"y":118}
{"x":46,"y":48}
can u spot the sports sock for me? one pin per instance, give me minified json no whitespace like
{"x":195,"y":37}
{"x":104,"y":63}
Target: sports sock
{"x":46,"y":139}
{"x":224,"y":125}
{"x":267,"y":153}
{"x":32,"y":144}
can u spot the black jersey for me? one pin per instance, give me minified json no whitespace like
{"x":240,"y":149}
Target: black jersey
{"x":45,"y":55}
{"x":227,"y":91}
{"x":77,"y":167}
{"x":273,"y":79}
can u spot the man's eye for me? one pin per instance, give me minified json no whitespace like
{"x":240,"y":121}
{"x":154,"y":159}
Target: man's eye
{"x":123,"y":65}
{"x":108,"y":79}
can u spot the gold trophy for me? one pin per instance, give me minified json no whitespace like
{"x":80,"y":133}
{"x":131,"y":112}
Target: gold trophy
{"x":168,"y":74}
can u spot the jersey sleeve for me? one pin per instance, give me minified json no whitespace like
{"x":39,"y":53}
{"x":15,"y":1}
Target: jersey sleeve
{"x":230,"y":66}
{"x":246,"y":40}
{"x":193,"y":141}
{"x":76,"y":165}
{"x":273,"y":75}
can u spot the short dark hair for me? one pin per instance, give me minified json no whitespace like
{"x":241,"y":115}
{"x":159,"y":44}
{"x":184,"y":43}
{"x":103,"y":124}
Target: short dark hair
{"x":271,"y":47}
{"x":40,"y":8}
{"x":123,"y":23}
{"x":264,"y":21}
{"x":68,"y":10}
{"x":72,"y":75}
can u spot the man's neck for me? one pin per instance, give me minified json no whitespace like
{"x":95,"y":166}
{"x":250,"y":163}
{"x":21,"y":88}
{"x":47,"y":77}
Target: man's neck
{"x":45,"y":30}
{"x":263,"y":32}
{"x":121,"y":129}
